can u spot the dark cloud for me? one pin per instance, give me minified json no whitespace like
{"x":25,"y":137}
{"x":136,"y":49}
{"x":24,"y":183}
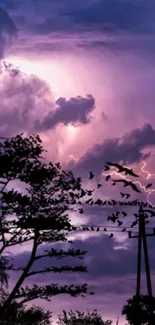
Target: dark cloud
{"x":111,"y":273}
{"x":75,"y":111}
{"x":127,"y":149}
{"x":102,"y":260}
{"x":105,"y":15}
{"x":7,"y":30}
{"x":119,"y":15}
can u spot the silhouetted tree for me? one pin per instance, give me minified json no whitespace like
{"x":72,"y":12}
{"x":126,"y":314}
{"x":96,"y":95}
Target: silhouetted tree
{"x":80,"y":318}
{"x":138,"y":312}
{"x":38,"y":212}
{"x":3,"y":271}
{"x":17,"y":314}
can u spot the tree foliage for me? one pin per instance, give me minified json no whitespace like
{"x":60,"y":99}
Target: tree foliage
{"x":3,"y":272}
{"x":37,"y":212}
{"x":17,"y":314}
{"x":81,"y":318}
{"x":137,"y":310}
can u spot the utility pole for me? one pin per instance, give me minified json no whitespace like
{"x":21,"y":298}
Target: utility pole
{"x":139,"y":259}
{"x":142,"y":236}
{"x":147,"y":266}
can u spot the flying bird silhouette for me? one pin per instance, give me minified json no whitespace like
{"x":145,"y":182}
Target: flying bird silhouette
{"x":122,"y":169}
{"x":134,"y":223}
{"x":125,"y":194}
{"x":130,"y":172}
{"x":107,"y":178}
{"x":148,"y":185}
{"x":124,"y":213}
{"x":91,"y":175}
{"x":119,"y":167}
{"x":113,"y":218}
{"x":106,"y":167}
{"x":127,"y":183}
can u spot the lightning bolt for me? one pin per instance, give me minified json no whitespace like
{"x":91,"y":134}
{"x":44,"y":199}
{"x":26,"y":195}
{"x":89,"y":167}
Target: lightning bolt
{"x":142,"y":172}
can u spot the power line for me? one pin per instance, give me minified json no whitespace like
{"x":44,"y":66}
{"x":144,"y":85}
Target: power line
{"x":112,"y":226}
{"x":96,"y":228}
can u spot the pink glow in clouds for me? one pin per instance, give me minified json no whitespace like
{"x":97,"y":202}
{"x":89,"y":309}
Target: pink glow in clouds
{"x":119,"y":72}
{"x":121,"y":83}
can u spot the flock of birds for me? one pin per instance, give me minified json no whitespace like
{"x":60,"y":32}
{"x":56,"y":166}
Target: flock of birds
{"x":127,"y":183}
{"x":121,"y":169}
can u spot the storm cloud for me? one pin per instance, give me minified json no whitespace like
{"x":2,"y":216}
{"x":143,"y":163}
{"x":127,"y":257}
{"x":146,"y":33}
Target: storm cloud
{"x":75,"y":111}
{"x":99,"y":47}
{"x":103,"y":15}
{"x":25,"y":97}
{"x":127,"y":149}
{"x":8,"y":30}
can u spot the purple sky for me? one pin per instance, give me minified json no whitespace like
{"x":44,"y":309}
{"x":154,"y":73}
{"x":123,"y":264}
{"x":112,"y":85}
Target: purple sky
{"x":86,"y":85}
